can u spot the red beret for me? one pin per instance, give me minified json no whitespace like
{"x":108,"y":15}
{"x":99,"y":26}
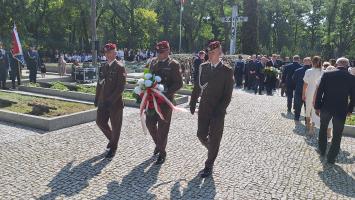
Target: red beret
{"x":213,"y":45}
{"x":162,"y":46}
{"x":109,"y":47}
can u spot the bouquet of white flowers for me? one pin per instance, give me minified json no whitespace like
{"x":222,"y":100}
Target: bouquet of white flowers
{"x":149,"y":94}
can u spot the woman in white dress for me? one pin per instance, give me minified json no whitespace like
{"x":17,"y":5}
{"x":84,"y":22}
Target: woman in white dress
{"x":62,"y":66}
{"x":311,"y":81}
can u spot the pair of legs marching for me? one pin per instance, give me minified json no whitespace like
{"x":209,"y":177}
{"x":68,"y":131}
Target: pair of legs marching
{"x":159,"y":130}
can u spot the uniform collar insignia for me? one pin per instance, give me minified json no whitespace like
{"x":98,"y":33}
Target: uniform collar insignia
{"x":110,"y":63}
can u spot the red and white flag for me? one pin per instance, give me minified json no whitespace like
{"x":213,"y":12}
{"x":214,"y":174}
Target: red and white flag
{"x":16,"y":49}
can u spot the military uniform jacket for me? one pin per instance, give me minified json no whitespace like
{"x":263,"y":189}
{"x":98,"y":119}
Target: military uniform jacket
{"x":111,"y":84}
{"x":170,"y":72}
{"x":215,"y":86}
{"x":4,"y":60}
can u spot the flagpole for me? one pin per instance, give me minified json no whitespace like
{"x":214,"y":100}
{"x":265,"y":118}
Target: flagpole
{"x":181,"y":9}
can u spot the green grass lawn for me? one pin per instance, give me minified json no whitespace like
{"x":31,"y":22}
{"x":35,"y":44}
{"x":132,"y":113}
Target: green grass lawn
{"x":19,"y":103}
{"x":81,"y":88}
{"x":350,"y":120}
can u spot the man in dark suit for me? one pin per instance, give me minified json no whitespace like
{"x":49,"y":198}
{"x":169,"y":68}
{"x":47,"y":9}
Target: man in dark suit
{"x":247,"y":74}
{"x":197,"y":62}
{"x":4,"y":67}
{"x":15,"y":71}
{"x":260,"y":75}
{"x":287,"y":74}
{"x":332,"y":102}
{"x":239,"y":71}
{"x":298,"y":80}
{"x":274,"y":62}
{"x":33,"y":64}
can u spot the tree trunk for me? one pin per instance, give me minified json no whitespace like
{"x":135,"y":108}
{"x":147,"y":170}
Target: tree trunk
{"x":226,"y":27}
{"x":250,"y":29}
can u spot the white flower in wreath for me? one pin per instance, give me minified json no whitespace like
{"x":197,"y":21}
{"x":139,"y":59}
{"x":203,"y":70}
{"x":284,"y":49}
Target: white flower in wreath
{"x":140,"y":81}
{"x":148,"y":76}
{"x":157,"y":79}
{"x":161,"y":87}
{"x":148,"y":83}
{"x":137,"y":90}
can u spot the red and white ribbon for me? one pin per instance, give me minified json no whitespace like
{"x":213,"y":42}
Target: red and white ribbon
{"x":154,"y":94}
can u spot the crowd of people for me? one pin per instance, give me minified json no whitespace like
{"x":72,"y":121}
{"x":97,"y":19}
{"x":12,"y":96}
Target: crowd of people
{"x":326,"y":90}
{"x":121,"y":54}
{"x":11,"y":66}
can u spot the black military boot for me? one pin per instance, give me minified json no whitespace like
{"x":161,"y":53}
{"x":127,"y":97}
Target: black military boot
{"x":108,"y":147}
{"x":206,"y":172}
{"x":156,"y":151}
{"x":111,"y":153}
{"x":161,"y":158}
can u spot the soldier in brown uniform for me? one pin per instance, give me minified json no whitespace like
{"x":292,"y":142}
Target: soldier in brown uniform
{"x":110,"y":87}
{"x":215,"y":85}
{"x":170,"y":72}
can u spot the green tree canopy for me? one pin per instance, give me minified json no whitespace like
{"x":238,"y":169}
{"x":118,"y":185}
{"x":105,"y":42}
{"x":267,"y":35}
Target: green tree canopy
{"x":305,"y":27}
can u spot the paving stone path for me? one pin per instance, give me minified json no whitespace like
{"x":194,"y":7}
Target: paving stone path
{"x":263,"y":155}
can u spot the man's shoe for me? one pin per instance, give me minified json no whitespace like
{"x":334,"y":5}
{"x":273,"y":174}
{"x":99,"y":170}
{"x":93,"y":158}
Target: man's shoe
{"x":108,"y":147}
{"x":156,"y":151}
{"x":110,"y":154}
{"x":206,"y":172}
{"x":161,"y":159}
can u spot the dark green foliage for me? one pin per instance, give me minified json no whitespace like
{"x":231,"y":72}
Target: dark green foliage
{"x":305,"y":27}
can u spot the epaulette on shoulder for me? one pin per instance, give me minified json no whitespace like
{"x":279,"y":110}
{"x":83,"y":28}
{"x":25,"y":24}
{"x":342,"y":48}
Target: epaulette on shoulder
{"x":153,"y":60}
{"x":227,"y":66}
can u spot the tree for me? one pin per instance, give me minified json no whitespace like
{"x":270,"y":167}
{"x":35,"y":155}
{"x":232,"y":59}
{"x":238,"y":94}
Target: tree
{"x":250,"y":28}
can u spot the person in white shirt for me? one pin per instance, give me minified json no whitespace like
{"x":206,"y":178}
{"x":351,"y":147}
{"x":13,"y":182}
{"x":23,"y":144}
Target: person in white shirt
{"x":311,"y":81}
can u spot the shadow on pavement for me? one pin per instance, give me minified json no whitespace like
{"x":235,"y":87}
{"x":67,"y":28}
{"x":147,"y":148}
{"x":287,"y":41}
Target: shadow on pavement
{"x":197,"y":188}
{"x":22,"y":127}
{"x":136,"y":184}
{"x":288,"y":115}
{"x":73,"y":179}
{"x":344,"y":157}
{"x":336,"y":179}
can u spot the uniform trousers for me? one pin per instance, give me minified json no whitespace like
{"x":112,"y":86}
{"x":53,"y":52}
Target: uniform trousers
{"x":115,"y":115}
{"x":158,"y":128}
{"x":210,"y":131}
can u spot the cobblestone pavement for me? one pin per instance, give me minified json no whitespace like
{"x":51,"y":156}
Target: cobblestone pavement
{"x":263,"y":155}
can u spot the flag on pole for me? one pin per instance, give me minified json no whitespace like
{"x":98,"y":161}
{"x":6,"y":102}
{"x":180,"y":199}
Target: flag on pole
{"x":16,"y":49}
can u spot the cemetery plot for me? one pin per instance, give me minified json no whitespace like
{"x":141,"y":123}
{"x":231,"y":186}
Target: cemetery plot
{"x":43,"y":113}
